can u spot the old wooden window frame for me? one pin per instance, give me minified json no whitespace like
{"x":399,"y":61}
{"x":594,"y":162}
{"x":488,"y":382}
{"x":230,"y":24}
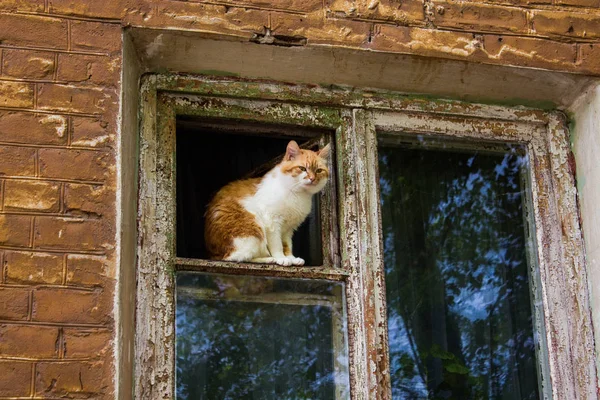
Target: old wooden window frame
{"x":563,"y":316}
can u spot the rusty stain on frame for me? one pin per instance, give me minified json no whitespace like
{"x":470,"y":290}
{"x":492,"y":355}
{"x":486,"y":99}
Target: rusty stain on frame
{"x":354,"y":254}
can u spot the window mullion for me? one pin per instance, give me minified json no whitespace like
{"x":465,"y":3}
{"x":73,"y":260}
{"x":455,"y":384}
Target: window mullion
{"x":371,"y":255}
{"x":362,"y":256}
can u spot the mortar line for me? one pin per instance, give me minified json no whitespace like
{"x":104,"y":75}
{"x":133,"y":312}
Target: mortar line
{"x":73,"y":17}
{"x":53,"y":146}
{"x":2,"y":189}
{"x":31,"y":233}
{"x":35,"y":95}
{"x":2,"y":277}
{"x":55,"y":74}
{"x":578,"y":50}
{"x":30,"y":305}
{"x":61,"y":342}
{"x":36,"y":163}
{"x":69,"y":131}
{"x":33,"y":178}
{"x":57,"y":360}
{"x":89,"y":289}
{"x":68,"y":35}
{"x":251,"y":7}
{"x":33,"y":372}
{"x":53,"y":112}
{"x":61,"y":51}
{"x":64,"y":278}
{"x":75,"y":217}
{"x":58,"y":325}
{"x":1,"y":61}
{"x":62,"y":198}
{"x":61,"y":251}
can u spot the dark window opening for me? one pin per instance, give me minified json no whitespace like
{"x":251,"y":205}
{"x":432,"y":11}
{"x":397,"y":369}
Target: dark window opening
{"x":212,"y":153}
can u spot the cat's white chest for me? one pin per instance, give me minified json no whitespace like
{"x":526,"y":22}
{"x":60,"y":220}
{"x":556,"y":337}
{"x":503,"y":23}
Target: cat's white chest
{"x":277,"y":206}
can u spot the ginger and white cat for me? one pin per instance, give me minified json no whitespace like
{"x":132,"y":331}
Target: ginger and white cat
{"x":254,"y":219}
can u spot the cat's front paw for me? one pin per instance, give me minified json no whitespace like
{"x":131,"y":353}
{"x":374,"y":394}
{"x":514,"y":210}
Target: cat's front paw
{"x":285,"y":261}
{"x":296,"y":260}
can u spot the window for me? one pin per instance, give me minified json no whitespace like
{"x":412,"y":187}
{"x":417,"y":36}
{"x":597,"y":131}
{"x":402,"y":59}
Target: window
{"x":438,"y":252}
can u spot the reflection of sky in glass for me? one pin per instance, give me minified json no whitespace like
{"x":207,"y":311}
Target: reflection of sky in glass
{"x":459,"y":310}
{"x":259,"y":338}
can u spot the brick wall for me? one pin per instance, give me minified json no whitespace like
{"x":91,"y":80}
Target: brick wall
{"x":59,"y":92}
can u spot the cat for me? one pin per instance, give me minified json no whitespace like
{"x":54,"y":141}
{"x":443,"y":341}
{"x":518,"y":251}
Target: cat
{"x":253,"y":220}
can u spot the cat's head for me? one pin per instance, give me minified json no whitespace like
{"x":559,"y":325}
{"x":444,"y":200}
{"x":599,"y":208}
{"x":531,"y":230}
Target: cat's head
{"x":307,"y":168}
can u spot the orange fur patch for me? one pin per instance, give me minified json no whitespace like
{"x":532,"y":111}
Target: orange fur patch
{"x":227,"y":219}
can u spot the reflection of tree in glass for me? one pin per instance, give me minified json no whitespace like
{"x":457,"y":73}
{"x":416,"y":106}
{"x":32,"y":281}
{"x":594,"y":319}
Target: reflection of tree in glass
{"x":459,"y":312}
{"x":229,"y":349}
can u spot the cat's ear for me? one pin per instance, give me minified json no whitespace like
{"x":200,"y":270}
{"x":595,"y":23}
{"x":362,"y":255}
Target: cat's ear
{"x":292,"y":151}
{"x":324,"y":152}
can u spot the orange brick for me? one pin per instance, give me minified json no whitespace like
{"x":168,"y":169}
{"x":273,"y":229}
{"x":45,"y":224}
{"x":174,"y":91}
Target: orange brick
{"x":529,"y":52}
{"x":14,"y":304}
{"x":69,"y":98}
{"x":480,"y":17}
{"x":86,"y":270}
{"x":580,"y":3}
{"x":15,"y":230}
{"x":567,"y":24}
{"x":96,"y":9}
{"x":331,"y":31}
{"x":16,"y":94}
{"x":22,"y":5}
{"x":208,"y":17}
{"x":87,"y":343}
{"x":72,"y":234}
{"x":17,"y":161}
{"x":425,"y":42}
{"x":89,"y":132}
{"x":98,"y":70}
{"x":86,"y":165}
{"x":589,"y":58}
{"x":30,"y":268}
{"x":403,"y":12}
{"x":30,"y":30}
{"x":28,"y":64}
{"x":16,"y":378}
{"x":288,"y":5}
{"x":71,"y":306}
{"x":70,"y":379}
{"x":31,"y":196}
{"x":83,"y":199}
{"x":25,"y":127}
{"x":95,"y":36}
{"x":28,"y":341}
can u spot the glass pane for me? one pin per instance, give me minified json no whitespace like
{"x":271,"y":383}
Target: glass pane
{"x":259,"y":338}
{"x":458,"y":294}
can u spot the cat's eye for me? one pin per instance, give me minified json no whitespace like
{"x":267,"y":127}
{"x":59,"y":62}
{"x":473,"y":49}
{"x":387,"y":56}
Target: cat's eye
{"x":302,"y":169}
{"x":320,"y":170}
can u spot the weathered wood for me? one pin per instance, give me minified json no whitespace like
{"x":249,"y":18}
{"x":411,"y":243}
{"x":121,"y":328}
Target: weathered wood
{"x":353,"y":254}
{"x":345,"y":97}
{"x":232,"y":268}
{"x":371,"y":255}
{"x":155,"y":305}
{"x":350,"y":258}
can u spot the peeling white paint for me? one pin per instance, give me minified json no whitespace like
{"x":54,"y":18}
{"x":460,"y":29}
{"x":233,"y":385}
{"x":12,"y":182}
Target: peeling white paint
{"x":59,"y":120}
